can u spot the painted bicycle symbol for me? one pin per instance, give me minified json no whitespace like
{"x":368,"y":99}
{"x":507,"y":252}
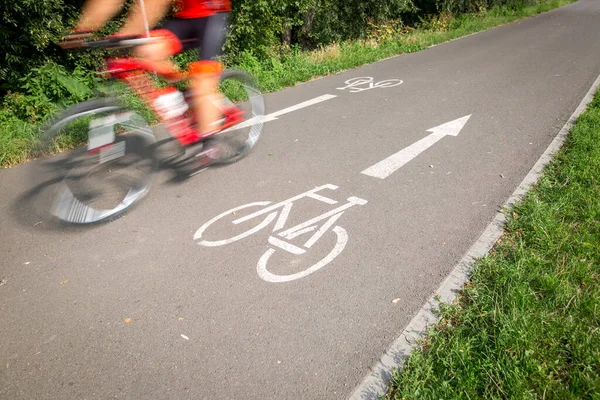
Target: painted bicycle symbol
{"x":354,"y":83}
{"x":280,"y":238}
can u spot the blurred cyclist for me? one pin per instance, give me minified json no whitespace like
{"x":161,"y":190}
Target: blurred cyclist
{"x":196,"y":24}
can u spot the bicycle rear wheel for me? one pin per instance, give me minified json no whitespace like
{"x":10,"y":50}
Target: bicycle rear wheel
{"x":97,"y":182}
{"x":242,"y":97}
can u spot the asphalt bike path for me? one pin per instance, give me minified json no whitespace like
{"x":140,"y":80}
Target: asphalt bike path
{"x":393,"y":171}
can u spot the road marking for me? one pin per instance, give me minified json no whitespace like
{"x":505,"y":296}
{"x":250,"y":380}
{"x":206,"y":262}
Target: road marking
{"x":376,"y":384}
{"x":275,"y":206}
{"x":261,"y":268}
{"x":199,"y":232}
{"x":385,"y":168}
{"x":283,"y":208}
{"x":299,"y":106}
{"x":352,"y":84}
{"x":276,"y":114}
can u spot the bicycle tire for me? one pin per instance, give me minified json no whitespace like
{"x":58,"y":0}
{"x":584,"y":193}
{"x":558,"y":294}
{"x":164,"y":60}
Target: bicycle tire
{"x":97,"y":186}
{"x":236,"y":142}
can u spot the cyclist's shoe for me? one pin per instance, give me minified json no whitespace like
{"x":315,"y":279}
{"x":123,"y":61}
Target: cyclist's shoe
{"x":231,"y":117}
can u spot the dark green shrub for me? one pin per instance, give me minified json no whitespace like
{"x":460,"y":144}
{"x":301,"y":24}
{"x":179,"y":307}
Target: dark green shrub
{"x":43,"y":89}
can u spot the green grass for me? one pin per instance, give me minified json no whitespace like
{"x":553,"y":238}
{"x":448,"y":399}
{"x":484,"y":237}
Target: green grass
{"x":18,"y":136}
{"x":527,"y":325}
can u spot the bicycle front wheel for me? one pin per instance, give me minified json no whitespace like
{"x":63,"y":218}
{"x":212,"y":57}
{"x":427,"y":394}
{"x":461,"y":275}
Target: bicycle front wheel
{"x":244,"y":102}
{"x":97,"y":182}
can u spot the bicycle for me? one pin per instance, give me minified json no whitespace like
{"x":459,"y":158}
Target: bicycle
{"x":281,"y":238}
{"x":102,"y":180}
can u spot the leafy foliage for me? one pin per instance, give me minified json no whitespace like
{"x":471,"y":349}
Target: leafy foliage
{"x":264,"y":26}
{"x":46,"y":88}
{"x":27,"y":34}
{"x":31,"y":28}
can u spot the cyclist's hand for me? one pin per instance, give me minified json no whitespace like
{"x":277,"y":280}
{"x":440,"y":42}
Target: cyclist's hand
{"x":75,"y":39}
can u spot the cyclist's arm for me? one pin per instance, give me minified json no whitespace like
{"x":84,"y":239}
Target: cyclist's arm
{"x":96,"y":13}
{"x":155,"y":10}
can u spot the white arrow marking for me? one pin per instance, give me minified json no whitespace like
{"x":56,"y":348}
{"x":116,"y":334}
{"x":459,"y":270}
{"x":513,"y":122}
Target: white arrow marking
{"x":273,"y":116}
{"x":385,"y":168}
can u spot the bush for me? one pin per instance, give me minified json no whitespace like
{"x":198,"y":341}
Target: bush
{"x":46,"y":88}
{"x":29,"y":33}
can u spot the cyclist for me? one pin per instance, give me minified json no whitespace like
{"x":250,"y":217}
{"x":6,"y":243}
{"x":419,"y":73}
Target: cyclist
{"x":196,"y":24}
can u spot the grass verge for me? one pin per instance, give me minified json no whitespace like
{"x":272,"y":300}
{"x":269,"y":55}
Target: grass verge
{"x":527,"y":325}
{"x":18,"y":134}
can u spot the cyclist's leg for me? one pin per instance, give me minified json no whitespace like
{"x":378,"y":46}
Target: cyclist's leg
{"x":157,"y":54}
{"x":205,"y":74}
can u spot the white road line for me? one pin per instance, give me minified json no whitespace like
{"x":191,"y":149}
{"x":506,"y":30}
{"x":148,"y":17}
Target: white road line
{"x":376,"y":384}
{"x":276,"y":114}
{"x":298,"y":106}
{"x":385,"y":168}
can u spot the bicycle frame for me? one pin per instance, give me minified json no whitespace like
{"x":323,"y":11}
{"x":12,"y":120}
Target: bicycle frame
{"x":134,"y":73}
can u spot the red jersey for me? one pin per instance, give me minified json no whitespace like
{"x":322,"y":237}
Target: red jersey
{"x":220,"y":5}
{"x":201,"y":8}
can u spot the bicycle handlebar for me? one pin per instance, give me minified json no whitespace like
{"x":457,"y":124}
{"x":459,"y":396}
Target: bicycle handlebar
{"x":110,"y":42}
